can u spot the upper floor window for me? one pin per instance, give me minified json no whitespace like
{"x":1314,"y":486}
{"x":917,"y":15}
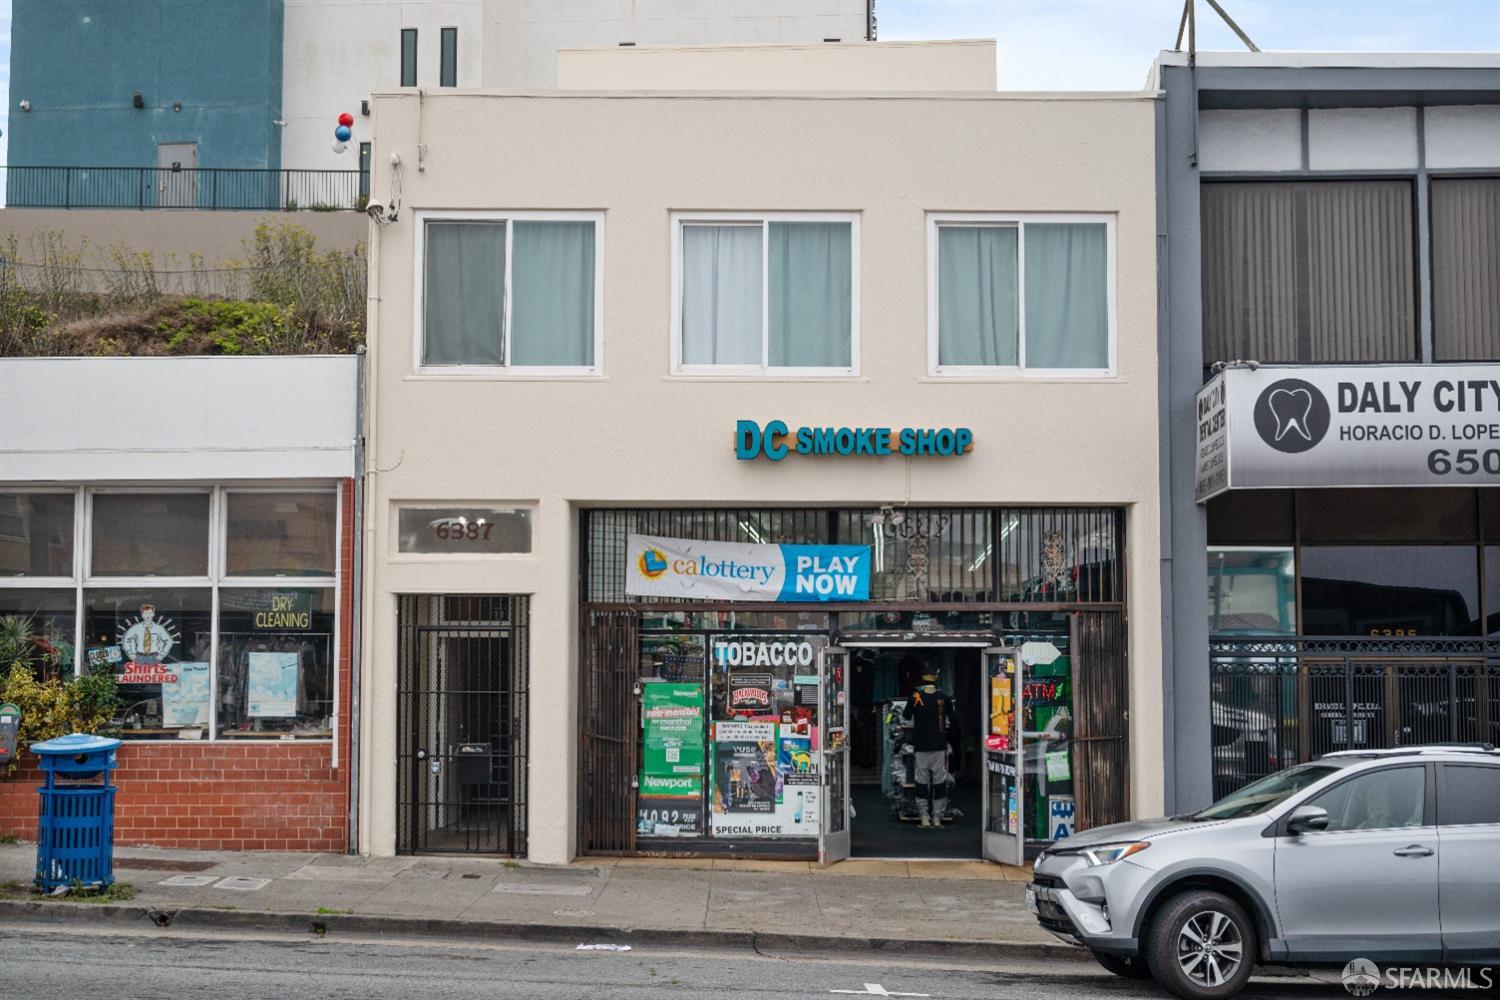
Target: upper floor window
{"x":1466,"y":268}
{"x":1030,"y":294}
{"x":513,"y":292}
{"x":1309,"y":271}
{"x":766,"y":294}
{"x":408,"y":57}
{"x":448,"y":58}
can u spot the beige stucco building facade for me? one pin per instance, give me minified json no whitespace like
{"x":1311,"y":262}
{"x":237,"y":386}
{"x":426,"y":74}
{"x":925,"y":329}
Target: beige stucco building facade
{"x":638,"y":419}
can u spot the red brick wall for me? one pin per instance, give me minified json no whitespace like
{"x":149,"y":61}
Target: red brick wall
{"x":278,"y":795}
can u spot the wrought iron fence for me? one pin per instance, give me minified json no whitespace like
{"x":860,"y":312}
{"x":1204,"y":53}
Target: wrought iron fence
{"x":212,"y":188}
{"x":1277,"y":701}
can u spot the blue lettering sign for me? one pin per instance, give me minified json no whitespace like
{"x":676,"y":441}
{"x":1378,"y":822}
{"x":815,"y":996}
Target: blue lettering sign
{"x":775,"y":440}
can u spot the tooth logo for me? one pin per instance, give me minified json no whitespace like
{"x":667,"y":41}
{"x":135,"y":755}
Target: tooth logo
{"x":1291,"y":415}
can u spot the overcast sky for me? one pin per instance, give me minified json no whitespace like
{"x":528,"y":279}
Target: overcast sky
{"x":1109,"y":44}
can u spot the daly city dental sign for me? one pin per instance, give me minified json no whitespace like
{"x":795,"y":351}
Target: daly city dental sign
{"x":776,"y":441}
{"x":731,"y":571}
{"x":1371,"y":425}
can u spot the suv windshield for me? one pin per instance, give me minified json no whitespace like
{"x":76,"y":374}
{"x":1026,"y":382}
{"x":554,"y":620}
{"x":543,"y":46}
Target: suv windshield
{"x":1261,"y":795}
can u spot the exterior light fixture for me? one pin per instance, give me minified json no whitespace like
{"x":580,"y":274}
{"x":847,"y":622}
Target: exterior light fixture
{"x":136,"y":100}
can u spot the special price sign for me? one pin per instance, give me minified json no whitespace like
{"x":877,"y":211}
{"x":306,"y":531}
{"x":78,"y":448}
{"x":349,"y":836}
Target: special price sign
{"x":1386,"y":425}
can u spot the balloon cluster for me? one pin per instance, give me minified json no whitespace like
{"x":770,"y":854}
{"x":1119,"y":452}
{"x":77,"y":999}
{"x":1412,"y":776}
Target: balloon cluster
{"x":343,"y":133}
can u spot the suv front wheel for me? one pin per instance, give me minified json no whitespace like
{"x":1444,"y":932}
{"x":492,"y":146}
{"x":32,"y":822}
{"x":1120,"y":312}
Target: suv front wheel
{"x":1201,"y":946}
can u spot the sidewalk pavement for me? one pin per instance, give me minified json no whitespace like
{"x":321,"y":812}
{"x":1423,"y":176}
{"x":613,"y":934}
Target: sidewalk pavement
{"x":968,"y":908}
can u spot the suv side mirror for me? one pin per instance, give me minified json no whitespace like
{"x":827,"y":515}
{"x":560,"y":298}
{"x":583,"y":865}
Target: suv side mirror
{"x":1305,"y":818}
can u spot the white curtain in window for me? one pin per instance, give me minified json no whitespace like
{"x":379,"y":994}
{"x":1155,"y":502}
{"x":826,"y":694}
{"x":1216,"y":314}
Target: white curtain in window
{"x":811,"y":294}
{"x":464,"y":294}
{"x":721,"y":295}
{"x":978,"y":296}
{"x":1067,"y":310}
{"x":552,"y":293}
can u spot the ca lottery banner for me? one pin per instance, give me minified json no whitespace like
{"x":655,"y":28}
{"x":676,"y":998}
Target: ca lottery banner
{"x":733,"y":571}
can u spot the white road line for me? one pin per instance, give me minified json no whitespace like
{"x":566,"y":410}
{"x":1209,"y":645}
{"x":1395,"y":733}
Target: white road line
{"x":876,"y":990}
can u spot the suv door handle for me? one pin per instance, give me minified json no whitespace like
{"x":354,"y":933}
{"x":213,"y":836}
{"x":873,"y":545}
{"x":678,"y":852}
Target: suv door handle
{"x":1414,"y":851}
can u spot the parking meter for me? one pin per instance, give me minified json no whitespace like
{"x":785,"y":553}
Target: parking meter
{"x":10,"y":728}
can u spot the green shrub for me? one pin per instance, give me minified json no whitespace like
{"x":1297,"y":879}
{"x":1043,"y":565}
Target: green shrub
{"x":35,"y":676}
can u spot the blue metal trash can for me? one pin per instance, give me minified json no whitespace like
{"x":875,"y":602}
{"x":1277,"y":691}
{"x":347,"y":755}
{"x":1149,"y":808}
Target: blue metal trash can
{"x":76,"y":828}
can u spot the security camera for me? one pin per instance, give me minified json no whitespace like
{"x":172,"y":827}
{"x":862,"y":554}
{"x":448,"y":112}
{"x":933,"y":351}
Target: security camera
{"x":381,"y":214}
{"x":25,"y":105}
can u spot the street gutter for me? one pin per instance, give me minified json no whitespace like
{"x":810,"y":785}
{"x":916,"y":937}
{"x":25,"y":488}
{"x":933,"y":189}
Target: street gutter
{"x":189,"y":918}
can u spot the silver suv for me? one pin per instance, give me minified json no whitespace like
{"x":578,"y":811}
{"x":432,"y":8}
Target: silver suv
{"x":1387,"y":855}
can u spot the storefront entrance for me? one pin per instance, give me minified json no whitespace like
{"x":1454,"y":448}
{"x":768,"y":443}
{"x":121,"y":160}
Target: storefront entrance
{"x":711,"y":727}
{"x":884,"y":786}
{"x":461,"y":724}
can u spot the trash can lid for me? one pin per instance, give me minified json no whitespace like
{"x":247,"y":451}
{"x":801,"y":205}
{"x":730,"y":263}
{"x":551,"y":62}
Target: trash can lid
{"x":75,"y":743}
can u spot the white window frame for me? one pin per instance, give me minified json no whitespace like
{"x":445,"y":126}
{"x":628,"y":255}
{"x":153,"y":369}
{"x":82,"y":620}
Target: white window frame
{"x":82,"y":581}
{"x":506,"y":370}
{"x":1019,"y":221}
{"x":764,"y":220}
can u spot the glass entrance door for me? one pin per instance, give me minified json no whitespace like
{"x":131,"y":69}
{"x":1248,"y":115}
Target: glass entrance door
{"x":1003,"y":793}
{"x":833,"y":740}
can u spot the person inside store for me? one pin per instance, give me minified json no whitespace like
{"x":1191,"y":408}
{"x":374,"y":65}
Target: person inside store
{"x":929,"y":718}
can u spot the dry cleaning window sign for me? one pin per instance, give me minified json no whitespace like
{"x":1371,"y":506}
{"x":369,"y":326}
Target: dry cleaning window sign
{"x":776,"y":440}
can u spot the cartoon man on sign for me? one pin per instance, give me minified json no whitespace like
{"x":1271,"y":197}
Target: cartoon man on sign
{"x":146,"y":642}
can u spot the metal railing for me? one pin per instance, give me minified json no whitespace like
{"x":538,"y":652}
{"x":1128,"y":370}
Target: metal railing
{"x":211,"y":188}
{"x":1277,"y":701}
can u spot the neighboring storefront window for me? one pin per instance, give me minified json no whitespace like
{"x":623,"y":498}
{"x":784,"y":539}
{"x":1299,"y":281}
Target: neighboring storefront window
{"x":1396,"y":590}
{"x":1396,"y":563}
{"x":280,"y":534}
{"x":1252,"y":591}
{"x":142,"y":605}
{"x":49,"y":615}
{"x":158,"y":643}
{"x":36,"y":534}
{"x":275,"y":668}
{"x":150,"y":534}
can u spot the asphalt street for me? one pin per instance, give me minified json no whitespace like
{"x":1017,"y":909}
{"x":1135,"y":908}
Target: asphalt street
{"x":67,"y":964}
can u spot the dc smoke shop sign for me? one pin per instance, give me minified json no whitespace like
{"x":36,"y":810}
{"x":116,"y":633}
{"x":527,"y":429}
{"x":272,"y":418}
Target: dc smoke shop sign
{"x":1395,"y":425}
{"x":731,"y":571}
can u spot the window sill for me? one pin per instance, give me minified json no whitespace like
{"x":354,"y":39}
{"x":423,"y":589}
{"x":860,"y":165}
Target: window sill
{"x":769,"y":377}
{"x":1092,"y":378}
{"x":464,"y":557}
{"x":495,"y":375}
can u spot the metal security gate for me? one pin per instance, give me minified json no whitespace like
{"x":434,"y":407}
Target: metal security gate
{"x":1277,"y":701}
{"x":1101,"y":731}
{"x":608,"y":703}
{"x":461,"y":727}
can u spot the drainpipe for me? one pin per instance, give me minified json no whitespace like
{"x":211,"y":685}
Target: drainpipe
{"x":356,"y":585}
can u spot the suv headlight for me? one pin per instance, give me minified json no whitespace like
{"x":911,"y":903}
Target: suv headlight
{"x":1108,"y":854}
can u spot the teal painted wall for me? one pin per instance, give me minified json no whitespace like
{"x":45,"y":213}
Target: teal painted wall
{"x":80,"y":61}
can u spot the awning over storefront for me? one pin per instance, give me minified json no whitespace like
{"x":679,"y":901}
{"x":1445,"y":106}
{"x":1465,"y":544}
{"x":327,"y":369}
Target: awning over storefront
{"x":1364,"y":425}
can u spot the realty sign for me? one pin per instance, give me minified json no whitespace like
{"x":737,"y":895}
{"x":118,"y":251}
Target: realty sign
{"x":734,"y":571}
{"x":1370,"y":425}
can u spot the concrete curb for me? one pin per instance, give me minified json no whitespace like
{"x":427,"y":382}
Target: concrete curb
{"x":190,"y":918}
